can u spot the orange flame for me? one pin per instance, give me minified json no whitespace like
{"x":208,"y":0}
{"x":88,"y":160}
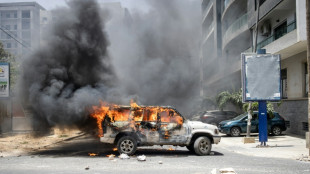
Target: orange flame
{"x":92,"y":154}
{"x":134,"y":115}
{"x":171,"y":149}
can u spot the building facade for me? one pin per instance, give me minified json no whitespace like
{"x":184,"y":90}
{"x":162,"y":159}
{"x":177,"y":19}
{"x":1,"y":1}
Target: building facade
{"x":20,"y":27}
{"x":225,"y":36}
{"x":281,"y":30}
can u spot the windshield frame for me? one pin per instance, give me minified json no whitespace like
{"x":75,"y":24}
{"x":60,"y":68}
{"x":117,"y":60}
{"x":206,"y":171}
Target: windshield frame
{"x":241,"y":116}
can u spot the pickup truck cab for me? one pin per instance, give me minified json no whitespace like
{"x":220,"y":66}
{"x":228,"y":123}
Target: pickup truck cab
{"x":129,"y":127}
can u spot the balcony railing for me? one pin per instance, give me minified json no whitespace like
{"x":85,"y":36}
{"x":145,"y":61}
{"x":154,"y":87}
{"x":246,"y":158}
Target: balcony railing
{"x":226,"y":3}
{"x":282,"y":32}
{"x":206,"y":9}
{"x":240,"y":22}
{"x":208,"y":30}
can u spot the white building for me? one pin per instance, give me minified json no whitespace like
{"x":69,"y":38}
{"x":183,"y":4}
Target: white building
{"x":228,"y":27}
{"x":20,"y":26}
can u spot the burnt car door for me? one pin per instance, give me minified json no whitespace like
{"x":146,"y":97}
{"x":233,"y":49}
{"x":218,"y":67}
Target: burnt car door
{"x":148,"y":128}
{"x":172,"y":130}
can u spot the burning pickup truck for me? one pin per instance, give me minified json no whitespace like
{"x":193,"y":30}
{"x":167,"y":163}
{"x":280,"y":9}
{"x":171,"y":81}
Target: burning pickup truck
{"x":131,"y":126}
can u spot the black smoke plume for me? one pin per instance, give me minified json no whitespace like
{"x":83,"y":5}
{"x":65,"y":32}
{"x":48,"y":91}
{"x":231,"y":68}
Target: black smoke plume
{"x":153,"y":57}
{"x":72,"y":71}
{"x":156,"y":53}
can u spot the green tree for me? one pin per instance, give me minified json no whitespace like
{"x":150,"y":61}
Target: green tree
{"x":235,"y":98}
{"x":9,"y":58}
{"x":254,"y":107}
{"x":226,"y":97}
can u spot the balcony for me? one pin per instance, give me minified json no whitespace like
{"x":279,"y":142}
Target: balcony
{"x":207,"y":32}
{"x":235,"y":27}
{"x":206,"y":10}
{"x":227,"y":3}
{"x":290,"y":27}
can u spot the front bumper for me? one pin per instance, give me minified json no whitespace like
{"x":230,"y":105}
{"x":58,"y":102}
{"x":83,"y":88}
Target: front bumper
{"x":224,"y":130}
{"x":216,"y":139}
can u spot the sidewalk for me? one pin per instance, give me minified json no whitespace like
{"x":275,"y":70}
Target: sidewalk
{"x":285,"y":146}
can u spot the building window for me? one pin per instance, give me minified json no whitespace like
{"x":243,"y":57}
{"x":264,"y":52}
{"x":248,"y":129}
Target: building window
{"x":8,"y":36}
{"x":306,"y":80}
{"x":15,"y":14}
{"x":7,"y":15}
{"x":284,"y":83}
{"x":15,"y":27}
{"x":305,"y":126}
{"x":26,"y":35}
{"x":44,"y":20}
{"x":8,"y":45}
{"x":7,"y":27}
{"x":26,"y":14}
{"x":25,"y":24}
{"x":280,"y":31}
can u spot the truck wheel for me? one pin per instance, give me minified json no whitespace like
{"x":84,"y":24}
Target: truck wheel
{"x":127,"y":145}
{"x":235,"y":132}
{"x":276,"y":130}
{"x":202,"y":146}
{"x":190,"y":148}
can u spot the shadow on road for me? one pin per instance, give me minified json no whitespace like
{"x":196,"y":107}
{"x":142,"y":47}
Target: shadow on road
{"x":84,"y":146}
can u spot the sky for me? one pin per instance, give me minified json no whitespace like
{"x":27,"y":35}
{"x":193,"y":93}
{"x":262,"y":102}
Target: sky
{"x":51,"y":4}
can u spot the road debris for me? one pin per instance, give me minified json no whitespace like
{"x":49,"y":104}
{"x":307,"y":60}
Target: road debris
{"x":124,"y":156}
{"x":87,"y":168}
{"x":227,"y":171}
{"x":111,"y":157}
{"x":141,"y":158}
{"x":160,"y":162}
{"x":304,"y":158}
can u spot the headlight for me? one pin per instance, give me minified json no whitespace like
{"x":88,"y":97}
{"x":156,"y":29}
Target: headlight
{"x":227,"y":124}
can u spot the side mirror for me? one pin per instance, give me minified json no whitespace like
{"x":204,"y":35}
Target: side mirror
{"x":246,"y":120}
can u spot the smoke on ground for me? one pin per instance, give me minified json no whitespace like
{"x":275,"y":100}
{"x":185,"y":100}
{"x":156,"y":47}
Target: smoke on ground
{"x":151,"y":56}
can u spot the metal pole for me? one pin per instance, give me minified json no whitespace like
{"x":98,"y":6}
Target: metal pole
{"x":308,"y":62}
{"x":248,"y":129}
{"x":248,"y":132}
{"x":256,"y":26}
{"x":262,"y":115}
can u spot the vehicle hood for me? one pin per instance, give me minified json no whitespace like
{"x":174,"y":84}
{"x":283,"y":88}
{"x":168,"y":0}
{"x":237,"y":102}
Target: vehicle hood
{"x":226,"y":121}
{"x":201,"y":125}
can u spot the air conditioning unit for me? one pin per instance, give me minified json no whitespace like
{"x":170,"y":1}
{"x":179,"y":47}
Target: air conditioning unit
{"x":266,"y":28}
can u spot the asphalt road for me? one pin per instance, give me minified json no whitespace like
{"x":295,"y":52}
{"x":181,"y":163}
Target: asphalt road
{"x":72,"y":157}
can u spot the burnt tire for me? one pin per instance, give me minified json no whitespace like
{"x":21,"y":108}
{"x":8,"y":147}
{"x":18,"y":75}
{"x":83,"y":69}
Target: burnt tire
{"x":127,"y":145}
{"x":276,"y":130}
{"x":235,"y":132}
{"x":202,"y":146}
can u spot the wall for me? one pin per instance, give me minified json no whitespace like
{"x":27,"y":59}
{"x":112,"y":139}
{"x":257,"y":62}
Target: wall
{"x":294,"y":111}
{"x":295,"y":75}
{"x":301,"y":20}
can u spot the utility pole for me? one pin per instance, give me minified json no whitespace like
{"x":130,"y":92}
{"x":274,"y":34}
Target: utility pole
{"x":308,"y":62}
{"x":248,"y":132}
